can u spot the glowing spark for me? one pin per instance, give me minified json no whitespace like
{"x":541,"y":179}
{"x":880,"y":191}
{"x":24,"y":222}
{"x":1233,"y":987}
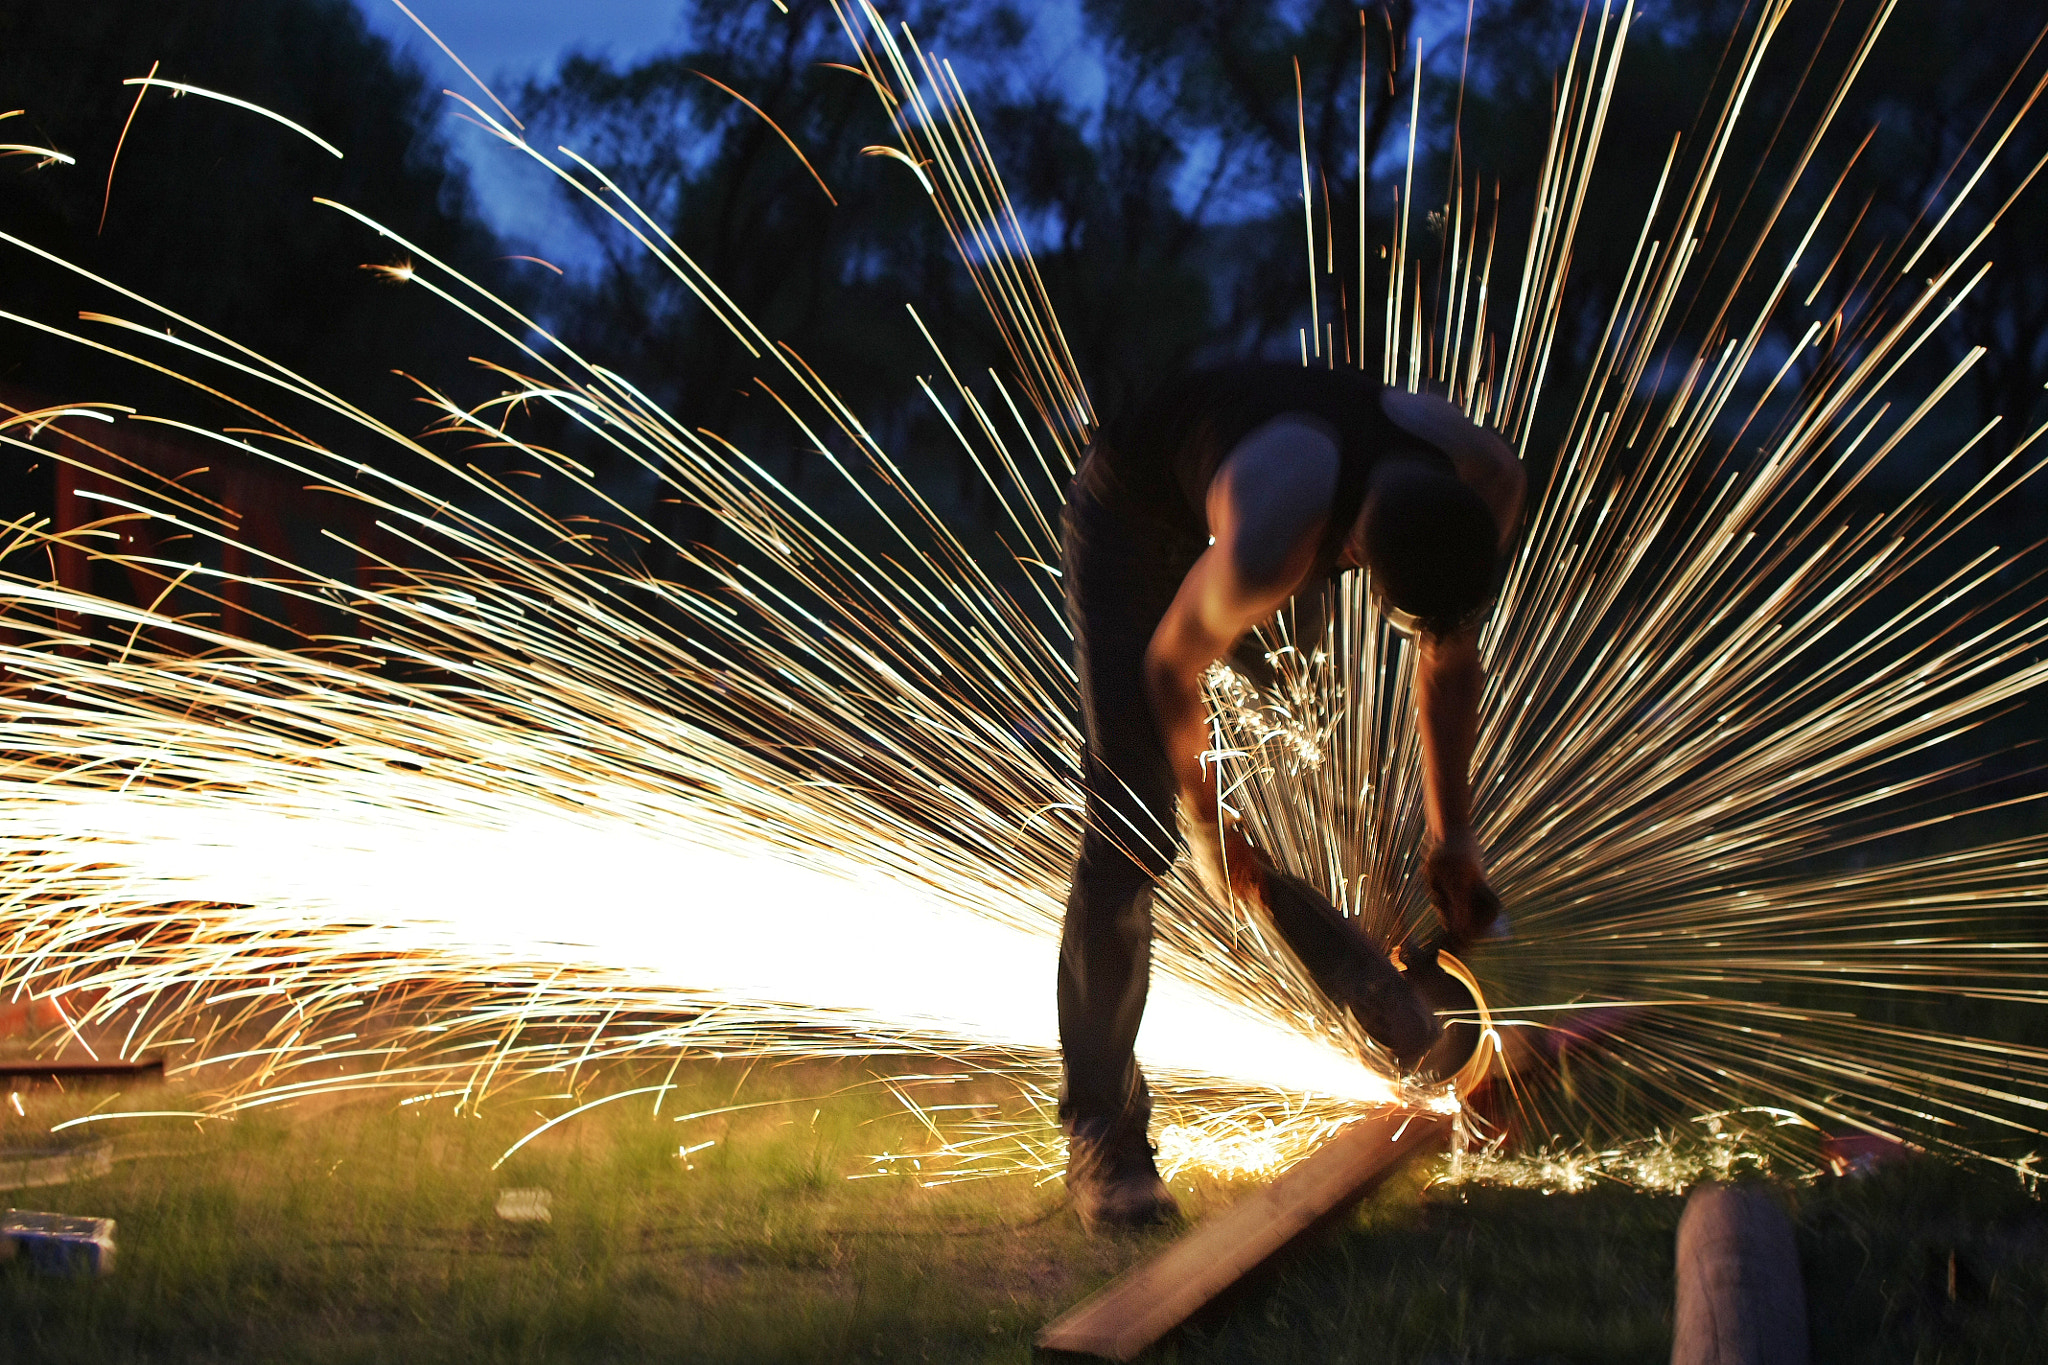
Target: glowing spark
{"x":50,"y":155}
{"x":1308,"y":212}
{"x":450,"y":52}
{"x":879,"y":88}
{"x":180,"y":88}
{"x":542,"y":888}
{"x":899,"y":155}
{"x":107,"y":201}
{"x":788,"y":141}
{"x":1709,"y":1147}
{"x":36,"y":420}
{"x":536,"y":260}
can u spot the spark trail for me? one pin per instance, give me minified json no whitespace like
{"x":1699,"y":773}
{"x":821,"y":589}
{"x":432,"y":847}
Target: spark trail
{"x":541,"y":809}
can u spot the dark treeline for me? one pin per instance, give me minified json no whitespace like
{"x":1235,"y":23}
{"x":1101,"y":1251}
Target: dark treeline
{"x":1166,"y":212}
{"x":1151,"y":209}
{"x":1167,"y":222}
{"x":210,"y":209}
{"x":1162,"y":197}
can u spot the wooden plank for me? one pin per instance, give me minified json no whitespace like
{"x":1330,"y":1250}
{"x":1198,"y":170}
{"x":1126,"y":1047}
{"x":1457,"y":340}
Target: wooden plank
{"x":1136,"y":1309}
{"x":28,"y":1069}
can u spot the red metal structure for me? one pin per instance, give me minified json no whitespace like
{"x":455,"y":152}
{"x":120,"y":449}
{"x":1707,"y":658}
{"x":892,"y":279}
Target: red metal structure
{"x":255,"y":514}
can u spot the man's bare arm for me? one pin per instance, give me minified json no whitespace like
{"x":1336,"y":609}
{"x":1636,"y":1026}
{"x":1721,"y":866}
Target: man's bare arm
{"x":1449,"y":676}
{"x":1266,"y":509}
{"x":1182,"y":649}
{"x":1449,"y":681}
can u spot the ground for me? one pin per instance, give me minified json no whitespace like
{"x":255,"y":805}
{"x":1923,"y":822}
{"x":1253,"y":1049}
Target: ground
{"x":364,"y":1231}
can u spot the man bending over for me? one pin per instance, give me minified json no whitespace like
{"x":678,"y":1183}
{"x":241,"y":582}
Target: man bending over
{"x":1192,"y":520}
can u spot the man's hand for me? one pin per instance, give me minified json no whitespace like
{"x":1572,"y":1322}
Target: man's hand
{"x":1457,"y":888}
{"x":1225,"y":862}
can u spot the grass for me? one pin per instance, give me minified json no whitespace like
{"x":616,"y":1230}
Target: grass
{"x":360,"y":1232}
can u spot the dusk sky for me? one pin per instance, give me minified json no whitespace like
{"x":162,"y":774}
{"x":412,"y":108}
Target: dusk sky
{"x":504,"y":41}
{"x":516,"y":37}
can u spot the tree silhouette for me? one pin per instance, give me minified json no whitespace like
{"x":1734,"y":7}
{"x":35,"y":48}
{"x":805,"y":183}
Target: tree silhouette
{"x":210,"y":208}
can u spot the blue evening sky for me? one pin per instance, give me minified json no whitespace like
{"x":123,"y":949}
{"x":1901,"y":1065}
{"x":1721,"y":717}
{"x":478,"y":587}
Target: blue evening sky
{"x":505,"y":41}
{"x":514,"y":38}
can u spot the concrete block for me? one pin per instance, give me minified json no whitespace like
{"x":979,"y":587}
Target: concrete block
{"x":56,"y":1244}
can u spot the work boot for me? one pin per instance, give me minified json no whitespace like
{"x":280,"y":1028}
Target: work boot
{"x":1112,"y":1179}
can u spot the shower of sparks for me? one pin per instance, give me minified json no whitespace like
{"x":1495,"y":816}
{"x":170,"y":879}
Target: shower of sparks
{"x":1712,"y":1147}
{"x":1236,"y":1137}
{"x":540,"y":810}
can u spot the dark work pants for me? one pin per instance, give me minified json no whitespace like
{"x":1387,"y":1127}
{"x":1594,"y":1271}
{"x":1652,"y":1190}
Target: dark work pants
{"x":1121,"y":569}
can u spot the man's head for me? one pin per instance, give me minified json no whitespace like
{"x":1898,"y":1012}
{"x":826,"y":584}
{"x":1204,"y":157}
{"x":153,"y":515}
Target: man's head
{"x":1428,"y":543}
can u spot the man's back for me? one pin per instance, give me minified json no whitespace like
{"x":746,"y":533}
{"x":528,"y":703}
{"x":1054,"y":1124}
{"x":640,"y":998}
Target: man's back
{"x":1165,"y":450}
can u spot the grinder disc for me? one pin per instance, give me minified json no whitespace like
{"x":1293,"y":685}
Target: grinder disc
{"x":1465,"y":1051}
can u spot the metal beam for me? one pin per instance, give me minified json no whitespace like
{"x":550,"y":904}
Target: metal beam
{"x":1136,"y":1309}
